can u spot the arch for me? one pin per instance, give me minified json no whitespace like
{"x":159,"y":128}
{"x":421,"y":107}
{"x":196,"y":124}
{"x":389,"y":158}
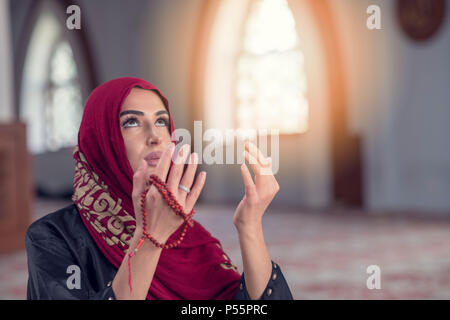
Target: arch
{"x":50,"y":49}
{"x":78,"y":39}
{"x":271,"y":61}
{"x":345,"y":153}
{"x":345,"y":146}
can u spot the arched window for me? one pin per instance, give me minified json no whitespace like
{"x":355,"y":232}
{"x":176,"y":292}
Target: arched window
{"x":262,"y":64}
{"x":271,"y":79}
{"x":64,"y":106}
{"x":255,"y":75}
{"x":51,"y":95}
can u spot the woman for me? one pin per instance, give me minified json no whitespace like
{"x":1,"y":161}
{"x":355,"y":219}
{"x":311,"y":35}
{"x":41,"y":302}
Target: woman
{"x":97,"y":248}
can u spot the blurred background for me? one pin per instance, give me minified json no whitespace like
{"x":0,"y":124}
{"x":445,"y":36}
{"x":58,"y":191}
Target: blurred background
{"x":364,"y":154}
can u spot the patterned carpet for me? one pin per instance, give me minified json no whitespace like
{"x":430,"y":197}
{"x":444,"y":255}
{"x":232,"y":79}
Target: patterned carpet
{"x":323,"y":255}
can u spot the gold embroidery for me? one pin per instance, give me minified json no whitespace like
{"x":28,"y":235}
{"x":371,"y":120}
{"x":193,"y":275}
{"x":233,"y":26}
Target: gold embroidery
{"x":229,"y":266}
{"x":88,"y":199}
{"x":106,"y":215}
{"x":100,"y":205}
{"x":115,"y":226}
{"x":125,"y":238}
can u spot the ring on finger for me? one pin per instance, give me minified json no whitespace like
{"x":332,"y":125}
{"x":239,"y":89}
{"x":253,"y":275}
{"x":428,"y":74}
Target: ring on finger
{"x":184,"y":188}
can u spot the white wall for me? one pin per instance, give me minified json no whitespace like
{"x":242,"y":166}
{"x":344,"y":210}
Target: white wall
{"x":399,"y":102}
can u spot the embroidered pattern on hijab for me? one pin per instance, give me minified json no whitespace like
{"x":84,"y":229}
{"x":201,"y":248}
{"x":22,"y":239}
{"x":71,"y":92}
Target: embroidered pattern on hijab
{"x":103,"y":183}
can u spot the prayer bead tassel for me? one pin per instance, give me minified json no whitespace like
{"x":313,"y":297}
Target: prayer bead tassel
{"x":131,"y":255}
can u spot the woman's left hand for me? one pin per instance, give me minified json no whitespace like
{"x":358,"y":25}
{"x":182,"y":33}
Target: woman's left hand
{"x":258,"y":194}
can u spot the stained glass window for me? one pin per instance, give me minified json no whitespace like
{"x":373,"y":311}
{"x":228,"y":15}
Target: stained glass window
{"x":271,"y":79}
{"x":51,"y":99}
{"x":64,"y":107}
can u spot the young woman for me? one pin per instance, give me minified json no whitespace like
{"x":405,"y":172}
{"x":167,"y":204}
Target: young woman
{"x":130,"y":232}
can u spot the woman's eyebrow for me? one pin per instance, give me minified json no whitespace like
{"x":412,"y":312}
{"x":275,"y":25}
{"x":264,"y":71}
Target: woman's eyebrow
{"x":140,"y":113}
{"x":157,"y":113}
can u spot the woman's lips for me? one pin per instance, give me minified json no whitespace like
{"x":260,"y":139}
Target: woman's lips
{"x":153,"y":158}
{"x":152,"y":162}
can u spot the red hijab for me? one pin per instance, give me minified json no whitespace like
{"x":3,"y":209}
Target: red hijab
{"x":198,"y":268}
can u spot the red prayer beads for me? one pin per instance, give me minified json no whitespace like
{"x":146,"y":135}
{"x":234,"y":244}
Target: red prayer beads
{"x":173,"y":203}
{"x":176,"y":207}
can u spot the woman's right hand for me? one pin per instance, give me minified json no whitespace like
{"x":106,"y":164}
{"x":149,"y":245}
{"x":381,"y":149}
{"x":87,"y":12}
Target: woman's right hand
{"x":161,"y":219}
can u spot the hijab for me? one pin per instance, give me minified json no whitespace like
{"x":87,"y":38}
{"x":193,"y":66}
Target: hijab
{"x":198,"y":269}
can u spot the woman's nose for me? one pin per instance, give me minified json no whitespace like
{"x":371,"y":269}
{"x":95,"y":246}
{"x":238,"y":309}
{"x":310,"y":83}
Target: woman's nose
{"x":153,"y":138}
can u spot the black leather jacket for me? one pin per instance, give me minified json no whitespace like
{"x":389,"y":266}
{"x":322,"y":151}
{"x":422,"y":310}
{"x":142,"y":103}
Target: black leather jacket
{"x":59,"y":243}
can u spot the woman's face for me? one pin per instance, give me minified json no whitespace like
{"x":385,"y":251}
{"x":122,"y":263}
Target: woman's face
{"x":144,"y":123}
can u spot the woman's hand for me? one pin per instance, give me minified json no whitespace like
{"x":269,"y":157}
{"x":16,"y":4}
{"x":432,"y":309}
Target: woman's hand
{"x":162,"y":220}
{"x":258,"y":194}
{"x":248,"y":219}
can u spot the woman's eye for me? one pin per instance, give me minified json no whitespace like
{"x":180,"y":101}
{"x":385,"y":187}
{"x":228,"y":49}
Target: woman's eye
{"x":131,"y":122}
{"x":161,"y":122}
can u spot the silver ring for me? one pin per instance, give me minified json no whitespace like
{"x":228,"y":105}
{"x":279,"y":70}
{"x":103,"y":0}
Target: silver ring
{"x":184,"y":188}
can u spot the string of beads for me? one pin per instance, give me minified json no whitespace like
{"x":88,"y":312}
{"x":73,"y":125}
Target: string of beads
{"x":173,"y":203}
{"x":176,"y":207}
